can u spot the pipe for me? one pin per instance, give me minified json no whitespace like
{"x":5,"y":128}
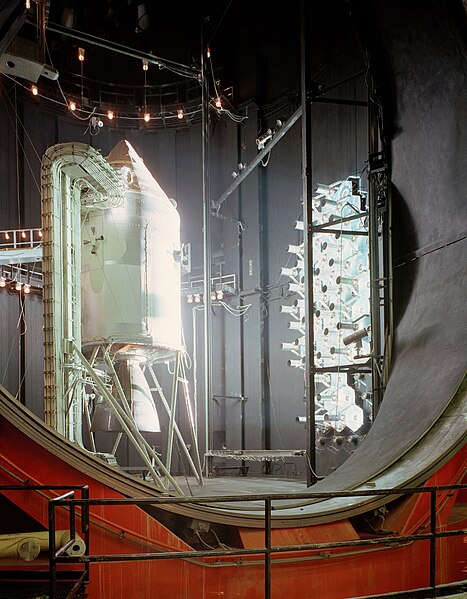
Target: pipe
{"x":207,"y":252}
{"x":308,"y":238}
{"x":108,"y":45}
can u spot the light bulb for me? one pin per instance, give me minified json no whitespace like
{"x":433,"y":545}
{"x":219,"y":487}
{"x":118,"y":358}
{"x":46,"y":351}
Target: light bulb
{"x":218,"y":103}
{"x":110,"y":114}
{"x":179,"y":113}
{"x":213,"y":295}
{"x":208,"y":52}
{"x":81,"y":53}
{"x":189,"y":299}
{"x":40,"y":233}
{"x":72,"y":106}
{"x":34,"y":90}
{"x":147,"y":117}
{"x":27,"y":288}
{"x":23,"y":234}
{"x":7,"y":236}
{"x":28,"y":4}
{"x":145,"y":65}
{"x":220,"y":295}
{"x":2,"y":282}
{"x":18,"y":286}
{"x":197,"y":298}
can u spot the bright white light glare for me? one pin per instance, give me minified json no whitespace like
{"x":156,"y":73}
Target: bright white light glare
{"x":341,"y":286}
{"x":208,"y":52}
{"x":28,"y":4}
{"x":147,"y":117}
{"x":110,"y":114}
{"x":34,"y":90}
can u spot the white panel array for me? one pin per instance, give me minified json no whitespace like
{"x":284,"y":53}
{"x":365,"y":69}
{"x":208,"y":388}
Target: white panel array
{"x":341,"y":300}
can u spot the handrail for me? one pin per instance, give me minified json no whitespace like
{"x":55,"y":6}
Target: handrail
{"x":53,"y":552}
{"x":268,"y":549}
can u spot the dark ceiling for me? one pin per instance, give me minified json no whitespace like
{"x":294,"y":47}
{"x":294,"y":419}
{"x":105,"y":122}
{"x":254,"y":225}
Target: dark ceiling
{"x":168,"y":31}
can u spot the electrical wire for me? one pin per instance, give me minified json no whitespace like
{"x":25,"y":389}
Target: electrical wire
{"x":219,"y":23}
{"x":19,"y":141}
{"x":219,"y":542}
{"x":94,"y":112}
{"x":203,"y":542}
{"x":234,"y":117}
{"x":239,"y":311}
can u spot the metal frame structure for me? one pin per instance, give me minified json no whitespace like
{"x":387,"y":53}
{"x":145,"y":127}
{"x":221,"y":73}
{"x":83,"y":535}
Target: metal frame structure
{"x":381,"y":293}
{"x":268,"y":550}
{"x":66,"y":170}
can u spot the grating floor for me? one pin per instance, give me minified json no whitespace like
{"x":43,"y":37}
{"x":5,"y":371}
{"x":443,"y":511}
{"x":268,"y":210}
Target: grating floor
{"x":25,"y":585}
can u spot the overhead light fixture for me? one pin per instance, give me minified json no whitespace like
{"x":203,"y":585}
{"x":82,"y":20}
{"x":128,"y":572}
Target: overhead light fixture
{"x":34,"y":90}
{"x":81,"y":52}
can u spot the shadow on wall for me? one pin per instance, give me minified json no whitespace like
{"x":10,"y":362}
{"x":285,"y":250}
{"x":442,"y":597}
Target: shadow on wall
{"x":404,"y":240}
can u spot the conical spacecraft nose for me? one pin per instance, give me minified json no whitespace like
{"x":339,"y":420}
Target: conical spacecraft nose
{"x":135,"y":174}
{"x":123,"y":153}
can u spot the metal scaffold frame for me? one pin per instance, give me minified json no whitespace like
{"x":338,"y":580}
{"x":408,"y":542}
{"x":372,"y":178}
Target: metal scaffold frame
{"x":67,"y":169}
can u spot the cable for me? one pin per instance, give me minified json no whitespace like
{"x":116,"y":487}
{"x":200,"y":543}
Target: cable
{"x":219,"y":22}
{"x":21,"y":145}
{"x":219,"y":542}
{"x":267,"y":159}
{"x":240,"y":311}
{"x":203,"y":542}
{"x":94,"y":112}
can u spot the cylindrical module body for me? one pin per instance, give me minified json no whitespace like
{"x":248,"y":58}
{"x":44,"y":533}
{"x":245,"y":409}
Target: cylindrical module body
{"x":131,"y":267}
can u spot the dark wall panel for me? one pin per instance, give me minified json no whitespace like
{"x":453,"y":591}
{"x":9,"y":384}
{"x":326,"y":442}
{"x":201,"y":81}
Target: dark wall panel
{"x":9,"y":341}
{"x":34,"y":355}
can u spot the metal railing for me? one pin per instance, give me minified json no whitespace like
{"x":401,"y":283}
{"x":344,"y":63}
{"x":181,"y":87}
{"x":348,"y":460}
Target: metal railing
{"x":268,"y":550}
{"x":83,"y":579}
{"x":16,"y":239}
